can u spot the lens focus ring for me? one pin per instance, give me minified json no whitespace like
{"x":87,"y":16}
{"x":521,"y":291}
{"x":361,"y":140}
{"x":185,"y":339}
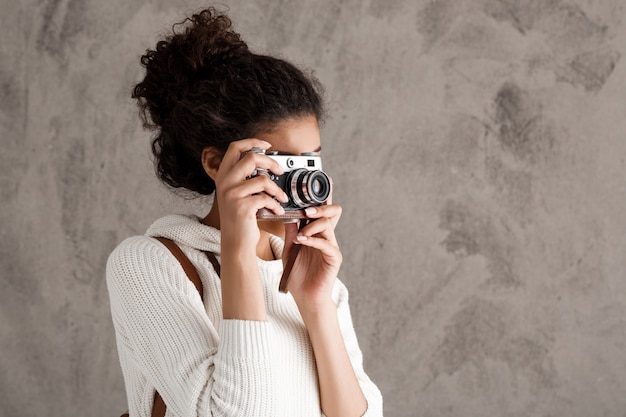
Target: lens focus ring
{"x":308,"y":187}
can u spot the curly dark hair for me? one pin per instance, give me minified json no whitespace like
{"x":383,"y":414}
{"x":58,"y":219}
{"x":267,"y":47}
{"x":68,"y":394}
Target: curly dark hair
{"x":204,"y":87}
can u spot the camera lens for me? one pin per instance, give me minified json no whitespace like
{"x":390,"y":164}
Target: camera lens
{"x":308,"y":188}
{"x":316,"y":186}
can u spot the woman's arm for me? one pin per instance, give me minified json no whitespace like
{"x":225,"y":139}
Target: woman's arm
{"x":340,"y":392}
{"x":165,"y":336}
{"x":238,"y":199}
{"x":313,"y":278}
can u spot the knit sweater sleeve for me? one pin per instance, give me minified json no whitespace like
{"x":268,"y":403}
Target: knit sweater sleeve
{"x":161,"y":324}
{"x":370,"y":390}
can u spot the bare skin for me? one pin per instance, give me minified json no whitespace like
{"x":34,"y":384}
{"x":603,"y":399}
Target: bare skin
{"x":313,"y":276}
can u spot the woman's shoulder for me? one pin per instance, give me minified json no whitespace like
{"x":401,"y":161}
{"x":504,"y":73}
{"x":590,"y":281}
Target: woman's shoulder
{"x":136,"y":256}
{"x":133,"y":248}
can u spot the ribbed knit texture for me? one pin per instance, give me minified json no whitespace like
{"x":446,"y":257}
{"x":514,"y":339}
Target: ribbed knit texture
{"x":201,"y":364}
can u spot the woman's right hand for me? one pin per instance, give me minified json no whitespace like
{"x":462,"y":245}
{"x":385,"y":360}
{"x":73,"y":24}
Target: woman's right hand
{"x":240,"y":197}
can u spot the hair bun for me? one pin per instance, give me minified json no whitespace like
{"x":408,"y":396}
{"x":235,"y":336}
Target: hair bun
{"x":210,"y":39}
{"x":205,"y":42}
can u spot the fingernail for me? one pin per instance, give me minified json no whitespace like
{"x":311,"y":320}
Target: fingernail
{"x":310,"y":211}
{"x":301,"y":238}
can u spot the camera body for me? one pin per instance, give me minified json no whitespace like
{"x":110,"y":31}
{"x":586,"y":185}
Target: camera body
{"x":303,"y":181}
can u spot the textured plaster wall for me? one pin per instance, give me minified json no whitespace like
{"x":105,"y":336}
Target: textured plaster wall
{"x":477,"y":148}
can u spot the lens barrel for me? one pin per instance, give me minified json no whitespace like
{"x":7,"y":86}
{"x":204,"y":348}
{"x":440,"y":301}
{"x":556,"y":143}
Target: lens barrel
{"x":308,"y":187}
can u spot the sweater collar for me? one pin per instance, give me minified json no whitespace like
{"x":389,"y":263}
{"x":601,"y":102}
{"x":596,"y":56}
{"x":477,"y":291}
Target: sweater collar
{"x":188,"y":230}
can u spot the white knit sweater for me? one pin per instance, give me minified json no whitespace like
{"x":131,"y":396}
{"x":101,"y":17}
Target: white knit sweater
{"x":201,"y":364}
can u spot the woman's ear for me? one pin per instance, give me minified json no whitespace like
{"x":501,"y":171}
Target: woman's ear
{"x":211,"y":159}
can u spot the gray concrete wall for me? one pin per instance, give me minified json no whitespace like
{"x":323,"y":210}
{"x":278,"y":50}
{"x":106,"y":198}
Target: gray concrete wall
{"x":477,"y":148}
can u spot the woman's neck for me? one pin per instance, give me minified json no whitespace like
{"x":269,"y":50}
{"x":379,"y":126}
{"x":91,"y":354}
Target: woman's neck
{"x":264,"y":247}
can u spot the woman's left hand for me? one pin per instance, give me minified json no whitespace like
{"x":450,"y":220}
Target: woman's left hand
{"x":314,"y":272}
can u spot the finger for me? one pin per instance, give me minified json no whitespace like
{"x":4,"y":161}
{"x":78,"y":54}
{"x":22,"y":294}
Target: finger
{"x":245,"y":202}
{"x":250,"y":162}
{"x":331,"y":211}
{"x":256,"y":185}
{"x":329,"y":250}
{"x":321,"y":227}
{"x":259,"y":201}
{"x":236,"y":148}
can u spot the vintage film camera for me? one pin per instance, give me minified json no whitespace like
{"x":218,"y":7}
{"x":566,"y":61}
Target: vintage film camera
{"x":303,"y":181}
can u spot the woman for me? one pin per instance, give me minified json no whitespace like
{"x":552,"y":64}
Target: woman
{"x":246,"y":349}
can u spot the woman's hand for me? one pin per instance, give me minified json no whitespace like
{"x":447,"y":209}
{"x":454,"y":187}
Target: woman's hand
{"x":240,"y":197}
{"x":314,"y":272}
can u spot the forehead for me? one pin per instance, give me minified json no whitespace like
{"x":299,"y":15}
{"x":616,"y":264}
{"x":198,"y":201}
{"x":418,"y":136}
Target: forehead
{"x":293,"y":136}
